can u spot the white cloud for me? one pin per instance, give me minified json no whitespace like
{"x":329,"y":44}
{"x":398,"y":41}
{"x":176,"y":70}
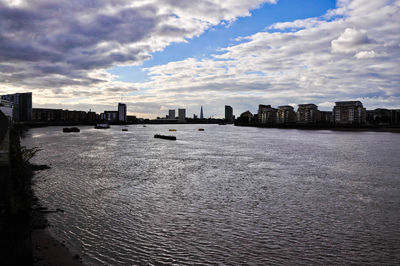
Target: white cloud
{"x":317,"y":63}
{"x":365,"y":54}
{"x":65,"y":46}
{"x":350,"y":40}
{"x":352,"y":52}
{"x":297,"y":24}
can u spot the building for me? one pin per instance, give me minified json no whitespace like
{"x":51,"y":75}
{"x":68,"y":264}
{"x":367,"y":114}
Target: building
{"x":229,"y":114}
{"x":266,"y":114}
{"x":46,"y":114}
{"x":182,"y":114}
{"x":308,"y":114}
{"x":383,"y":117}
{"x":395,"y":117}
{"x":201,"y":113}
{"x":110,"y":116}
{"x":325,"y":117}
{"x":285,"y":114}
{"x":171,"y":114}
{"x":6,"y":109}
{"x":21,"y":104}
{"x":92,"y":116}
{"x":121,"y":112}
{"x":349,"y":113}
{"x":245,"y":118}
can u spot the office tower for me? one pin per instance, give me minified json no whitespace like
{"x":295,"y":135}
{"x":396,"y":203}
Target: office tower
{"x":182,"y":114}
{"x":201,"y":113}
{"x":121,"y":112}
{"x":171,"y":114}
{"x":228,"y":114}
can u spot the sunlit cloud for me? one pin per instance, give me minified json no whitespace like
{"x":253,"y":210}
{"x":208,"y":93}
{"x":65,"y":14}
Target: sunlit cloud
{"x":61,"y":51}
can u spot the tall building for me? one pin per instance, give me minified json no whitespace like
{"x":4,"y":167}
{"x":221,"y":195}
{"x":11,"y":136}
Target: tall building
{"x":121,"y":112}
{"x":308,"y":114}
{"x":266,"y":114}
{"x":182,"y":114}
{"x":21,"y":104}
{"x":201,"y":113}
{"x":228,"y":114}
{"x":6,"y":109}
{"x":285,"y":114}
{"x":349,"y":112}
{"x":171,"y":114}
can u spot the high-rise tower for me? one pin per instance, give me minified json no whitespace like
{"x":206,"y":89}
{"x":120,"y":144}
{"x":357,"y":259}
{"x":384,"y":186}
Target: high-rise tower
{"x":121,"y":112}
{"x":201,"y":113}
{"x":229,"y":114}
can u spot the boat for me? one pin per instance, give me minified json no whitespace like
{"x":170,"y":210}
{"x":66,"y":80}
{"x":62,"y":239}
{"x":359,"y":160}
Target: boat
{"x":201,"y":129}
{"x":124,"y":129}
{"x":102,"y":126}
{"x":164,"y":137}
{"x":172,"y":129}
{"x":71,"y":129}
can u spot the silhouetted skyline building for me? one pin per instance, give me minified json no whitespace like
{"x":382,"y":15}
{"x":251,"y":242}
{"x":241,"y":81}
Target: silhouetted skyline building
{"x":182,"y":114}
{"x":229,"y":114}
{"x":110,"y":116}
{"x":171,"y":114}
{"x":121,"y":112}
{"x":201,"y":113}
{"x":21,"y":104}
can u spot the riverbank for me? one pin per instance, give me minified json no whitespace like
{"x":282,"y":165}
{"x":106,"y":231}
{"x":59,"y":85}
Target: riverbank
{"x":48,"y":251}
{"x":24,"y":240}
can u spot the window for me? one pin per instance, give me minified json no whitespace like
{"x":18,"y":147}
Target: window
{"x":351,"y":114}
{"x":337,"y":115}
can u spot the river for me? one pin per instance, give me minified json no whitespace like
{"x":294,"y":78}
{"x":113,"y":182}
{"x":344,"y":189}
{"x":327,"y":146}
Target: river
{"x":226,"y":195}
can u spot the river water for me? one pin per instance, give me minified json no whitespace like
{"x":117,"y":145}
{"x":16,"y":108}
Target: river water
{"x":226,"y":195}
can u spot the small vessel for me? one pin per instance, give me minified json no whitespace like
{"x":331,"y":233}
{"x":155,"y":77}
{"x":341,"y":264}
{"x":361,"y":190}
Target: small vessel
{"x":102,"y":126}
{"x":164,"y":137}
{"x":172,"y":129}
{"x":144,"y":125}
{"x":124,"y":129}
{"x":71,"y":129}
{"x":201,"y":129}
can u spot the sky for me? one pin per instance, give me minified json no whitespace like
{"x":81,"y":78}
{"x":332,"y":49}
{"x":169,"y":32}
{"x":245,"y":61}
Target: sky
{"x":156,"y":55}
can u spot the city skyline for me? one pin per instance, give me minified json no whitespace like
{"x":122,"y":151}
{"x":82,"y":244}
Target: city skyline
{"x":242,"y":54}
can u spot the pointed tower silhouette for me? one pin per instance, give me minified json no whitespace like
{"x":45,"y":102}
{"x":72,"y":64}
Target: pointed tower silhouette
{"x":201,"y":113}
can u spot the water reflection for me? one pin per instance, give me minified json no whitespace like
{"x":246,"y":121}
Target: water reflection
{"x":228,"y":195}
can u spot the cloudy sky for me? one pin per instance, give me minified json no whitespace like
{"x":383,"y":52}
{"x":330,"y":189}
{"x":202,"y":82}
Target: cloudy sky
{"x":157,"y":55}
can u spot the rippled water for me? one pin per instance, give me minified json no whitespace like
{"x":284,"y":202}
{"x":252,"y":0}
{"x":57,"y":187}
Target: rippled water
{"x":228,"y":195}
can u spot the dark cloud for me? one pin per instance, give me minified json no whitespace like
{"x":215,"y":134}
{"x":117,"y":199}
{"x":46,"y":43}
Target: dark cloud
{"x":77,"y":36}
